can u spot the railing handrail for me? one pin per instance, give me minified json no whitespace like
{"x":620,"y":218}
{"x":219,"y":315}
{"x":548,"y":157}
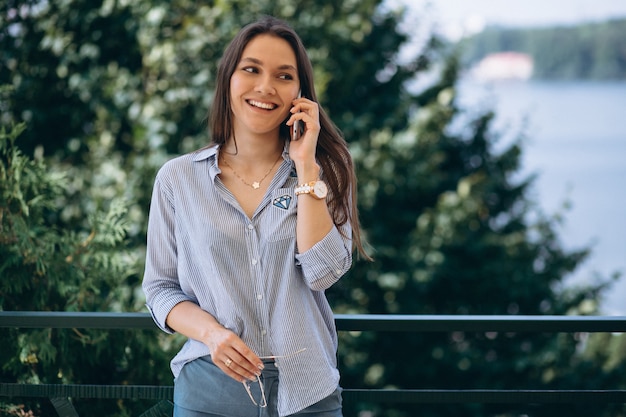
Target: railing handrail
{"x":344,"y":322}
{"x":406,"y":396}
{"x":59,"y":394}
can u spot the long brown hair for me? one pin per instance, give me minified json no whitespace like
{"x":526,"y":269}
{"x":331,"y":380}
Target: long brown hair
{"x":332,"y":150}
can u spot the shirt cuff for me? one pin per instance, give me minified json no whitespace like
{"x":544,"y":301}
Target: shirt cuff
{"x":327,"y":261}
{"x":160,"y":310}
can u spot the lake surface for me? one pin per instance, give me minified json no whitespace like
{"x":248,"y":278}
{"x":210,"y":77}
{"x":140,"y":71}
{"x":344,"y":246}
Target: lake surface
{"x":576,"y":143}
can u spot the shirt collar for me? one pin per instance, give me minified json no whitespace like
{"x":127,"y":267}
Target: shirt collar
{"x":208,"y":154}
{"x":205,"y":153}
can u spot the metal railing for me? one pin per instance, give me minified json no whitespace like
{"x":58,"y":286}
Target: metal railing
{"x":59,"y":394}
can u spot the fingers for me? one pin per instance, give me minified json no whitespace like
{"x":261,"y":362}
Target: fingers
{"x":240,"y":368}
{"x":234,"y":358}
{"x":308,"y":112}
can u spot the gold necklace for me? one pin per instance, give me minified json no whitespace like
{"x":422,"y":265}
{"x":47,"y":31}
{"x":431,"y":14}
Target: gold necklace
{"x":256,"y":184}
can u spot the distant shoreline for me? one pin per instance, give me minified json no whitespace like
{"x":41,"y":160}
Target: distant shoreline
{"x":586,"y":51}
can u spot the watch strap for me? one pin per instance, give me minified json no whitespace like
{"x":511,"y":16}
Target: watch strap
{"x":305,"y":188}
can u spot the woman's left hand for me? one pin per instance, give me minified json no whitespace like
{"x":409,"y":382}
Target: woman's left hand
{"x":307,"y":111}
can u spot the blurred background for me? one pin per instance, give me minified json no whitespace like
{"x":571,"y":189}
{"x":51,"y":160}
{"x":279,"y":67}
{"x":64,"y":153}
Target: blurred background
{"x":488,"y":139}
{"x":569,"y":95}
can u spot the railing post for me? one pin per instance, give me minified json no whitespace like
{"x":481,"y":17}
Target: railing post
{"x":63,"y":407}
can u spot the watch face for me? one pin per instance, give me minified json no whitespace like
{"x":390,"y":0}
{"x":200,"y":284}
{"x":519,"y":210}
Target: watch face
{"x":320,"y":189}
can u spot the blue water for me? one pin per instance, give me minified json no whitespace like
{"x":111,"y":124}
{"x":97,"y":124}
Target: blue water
{"x":576,"y":143}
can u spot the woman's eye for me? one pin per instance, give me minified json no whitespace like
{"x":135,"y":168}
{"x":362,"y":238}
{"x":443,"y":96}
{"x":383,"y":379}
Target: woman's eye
{"x":249,"y":69}
{"x":286,"y":77}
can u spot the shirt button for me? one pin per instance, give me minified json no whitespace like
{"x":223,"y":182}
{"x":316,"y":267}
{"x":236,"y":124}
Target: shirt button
{"x":259,"y":296}
{"x":263,"y":332}
{"x":254,"y":261}
{"x":338,"y":271}
{"x":250,"y":226}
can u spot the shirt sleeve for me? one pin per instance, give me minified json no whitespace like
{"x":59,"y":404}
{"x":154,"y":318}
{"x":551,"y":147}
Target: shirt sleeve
{"x":160,"y":282}
{"x":328,"y":260}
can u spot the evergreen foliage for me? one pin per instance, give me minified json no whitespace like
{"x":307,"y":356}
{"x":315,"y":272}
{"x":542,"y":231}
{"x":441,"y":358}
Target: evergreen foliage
{"x":455,"y":233}
{"x":44,"y":268}
{"x":111,"y":90}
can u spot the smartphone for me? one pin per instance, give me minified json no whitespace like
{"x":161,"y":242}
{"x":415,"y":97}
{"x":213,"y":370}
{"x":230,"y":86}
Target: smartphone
{"x":296,"y":131}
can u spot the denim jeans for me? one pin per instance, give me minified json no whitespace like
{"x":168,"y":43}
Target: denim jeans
{"x":203,"y":386}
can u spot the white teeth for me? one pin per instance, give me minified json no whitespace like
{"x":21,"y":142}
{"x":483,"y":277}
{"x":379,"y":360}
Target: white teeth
{"x":265,"y":106}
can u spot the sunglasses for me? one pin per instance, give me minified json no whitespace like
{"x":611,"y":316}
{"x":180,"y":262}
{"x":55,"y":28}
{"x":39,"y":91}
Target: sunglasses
{"x":262,"y":402}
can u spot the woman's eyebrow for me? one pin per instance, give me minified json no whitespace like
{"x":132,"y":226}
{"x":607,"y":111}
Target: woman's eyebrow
{"x":259,"y":62}
{"x":253,"y":60}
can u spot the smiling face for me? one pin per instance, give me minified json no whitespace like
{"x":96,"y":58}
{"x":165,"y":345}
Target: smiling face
{"x":263,"y":85}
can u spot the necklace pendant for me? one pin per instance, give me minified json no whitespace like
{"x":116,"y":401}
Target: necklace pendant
{"x":256,"y":185}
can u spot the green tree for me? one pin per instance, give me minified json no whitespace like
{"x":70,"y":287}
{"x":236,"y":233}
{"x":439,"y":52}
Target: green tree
{"x":44,"y":268}
{"x":109,"y":110}
{"x":456,"y":234}
{"x":453,"y":232}
{"x":130,"y":83}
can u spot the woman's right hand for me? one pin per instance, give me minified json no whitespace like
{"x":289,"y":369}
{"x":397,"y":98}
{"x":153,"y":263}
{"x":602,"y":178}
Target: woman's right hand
{"x":232,"y":355}
{"x":228,"y":351}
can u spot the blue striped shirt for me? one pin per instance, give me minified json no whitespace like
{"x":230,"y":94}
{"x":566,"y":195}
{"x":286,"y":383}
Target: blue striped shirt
{"x":245,"y":272}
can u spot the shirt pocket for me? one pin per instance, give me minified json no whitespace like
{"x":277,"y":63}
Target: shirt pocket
{"x":280,"y":220}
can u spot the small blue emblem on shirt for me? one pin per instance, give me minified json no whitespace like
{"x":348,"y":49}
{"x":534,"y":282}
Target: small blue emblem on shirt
{"x":282,"y":202}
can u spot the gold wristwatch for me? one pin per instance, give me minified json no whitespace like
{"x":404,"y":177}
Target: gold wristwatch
{"x":316,"y":189}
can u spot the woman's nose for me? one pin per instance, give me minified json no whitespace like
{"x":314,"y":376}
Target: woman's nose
{"x":265,"y":86}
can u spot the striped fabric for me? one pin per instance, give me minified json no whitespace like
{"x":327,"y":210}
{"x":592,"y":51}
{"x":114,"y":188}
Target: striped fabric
{"x":246,"y":272}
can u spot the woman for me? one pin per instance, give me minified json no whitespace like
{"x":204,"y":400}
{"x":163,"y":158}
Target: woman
{"x":245,"y":235}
